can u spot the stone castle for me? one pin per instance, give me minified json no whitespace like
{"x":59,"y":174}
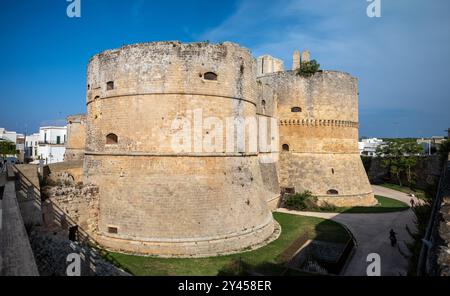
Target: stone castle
{"x":159,"y":201}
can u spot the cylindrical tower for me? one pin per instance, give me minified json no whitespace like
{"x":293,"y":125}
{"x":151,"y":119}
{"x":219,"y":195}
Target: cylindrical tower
{"x":318,"y":119}
{"x":268,"y":141}
{"x":154,"y":197}
{"x":76,"y":137}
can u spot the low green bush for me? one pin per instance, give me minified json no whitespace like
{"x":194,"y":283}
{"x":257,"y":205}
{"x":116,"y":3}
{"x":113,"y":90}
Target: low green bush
{"x":308,"y":68}
{"x":302,"y":201}
{"x":327,"y":207}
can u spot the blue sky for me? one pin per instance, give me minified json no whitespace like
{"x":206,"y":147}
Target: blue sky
{"x":402,"y":59}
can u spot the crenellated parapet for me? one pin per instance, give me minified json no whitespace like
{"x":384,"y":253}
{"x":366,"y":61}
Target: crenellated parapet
{"x":319,"y":122}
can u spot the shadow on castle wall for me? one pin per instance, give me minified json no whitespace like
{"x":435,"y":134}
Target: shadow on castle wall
{"x":56,"y":235}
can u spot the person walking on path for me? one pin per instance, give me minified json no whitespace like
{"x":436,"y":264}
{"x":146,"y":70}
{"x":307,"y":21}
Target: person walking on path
{"x":392,"y":237}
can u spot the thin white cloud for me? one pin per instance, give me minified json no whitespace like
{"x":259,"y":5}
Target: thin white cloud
{"x":401,"y":59}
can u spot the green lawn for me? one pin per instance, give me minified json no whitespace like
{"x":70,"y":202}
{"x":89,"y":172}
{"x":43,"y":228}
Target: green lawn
{"x":417,"y":192}
{"x":265,"y":259}
{"x":385,"y":205}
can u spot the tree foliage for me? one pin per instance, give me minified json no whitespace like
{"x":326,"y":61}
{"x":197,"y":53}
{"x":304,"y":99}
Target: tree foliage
{"x":399,"y":158}
{"x":308,"y":68}
{"x":7,"y":148}
{"x":444,"y":150}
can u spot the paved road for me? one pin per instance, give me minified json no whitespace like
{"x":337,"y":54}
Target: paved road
{"x":371,"y":232}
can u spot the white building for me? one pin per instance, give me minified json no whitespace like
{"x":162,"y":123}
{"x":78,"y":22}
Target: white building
{"x":8,"y":136}
{"x":32,"y":146}
{"x":369,"y":146}
{"x":52,"y":141}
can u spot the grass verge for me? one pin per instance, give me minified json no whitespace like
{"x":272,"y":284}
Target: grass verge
{"x":417,"y":192}
{"x":385,"y":205}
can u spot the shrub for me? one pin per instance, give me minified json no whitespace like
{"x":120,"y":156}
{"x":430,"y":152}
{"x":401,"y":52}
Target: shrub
{"x":423,"y":213}
{"x":327,"y":207}
{"x":444,"y":150}
{"x":301,"y":201}
{"x":308,"y":68}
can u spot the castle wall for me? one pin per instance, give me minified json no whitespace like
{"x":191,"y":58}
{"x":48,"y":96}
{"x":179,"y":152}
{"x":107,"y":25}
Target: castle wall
{"x":267,"y":64}
{"x":155,"y":199}
{"x":426,"y":171}
{"x":318,"y":119}
{"x":267,"y":111}
{"x":76,"y":137}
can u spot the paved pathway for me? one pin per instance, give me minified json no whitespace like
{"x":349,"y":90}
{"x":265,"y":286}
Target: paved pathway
{"x":371,"y":232}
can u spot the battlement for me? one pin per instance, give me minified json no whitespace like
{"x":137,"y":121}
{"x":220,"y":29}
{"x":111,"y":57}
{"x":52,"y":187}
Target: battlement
{"x":267,"y":64}
{"x":164,"y":45}
{"x":76,"y":118}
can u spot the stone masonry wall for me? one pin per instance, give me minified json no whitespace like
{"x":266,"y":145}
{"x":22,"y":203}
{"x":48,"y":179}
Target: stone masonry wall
{"x":267,"y":111}
{"x":318,"y":119}
{"x":427,"y":172}
{"x":154,"y":199}
{"x":76,"y":137}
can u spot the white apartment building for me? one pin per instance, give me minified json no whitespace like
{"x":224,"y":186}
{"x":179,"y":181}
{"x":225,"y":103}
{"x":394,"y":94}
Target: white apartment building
{"x":32,"y":146}
{"x":52,"y":141}
{"x":8,"y":136}
{"x":369,"y":146}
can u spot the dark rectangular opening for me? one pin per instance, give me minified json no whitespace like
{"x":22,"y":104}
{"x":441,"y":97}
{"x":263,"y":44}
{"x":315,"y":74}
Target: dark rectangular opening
{"x":110,"y":85}
{"x":73,"y":233}
{"x":288,"y":190}
{"x":112,"y":230}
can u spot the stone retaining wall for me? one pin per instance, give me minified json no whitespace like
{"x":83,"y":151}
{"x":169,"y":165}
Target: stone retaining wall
{"x":16,"y":256}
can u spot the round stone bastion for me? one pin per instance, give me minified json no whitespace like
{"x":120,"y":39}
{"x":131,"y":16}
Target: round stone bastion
{"x":158,"y":199}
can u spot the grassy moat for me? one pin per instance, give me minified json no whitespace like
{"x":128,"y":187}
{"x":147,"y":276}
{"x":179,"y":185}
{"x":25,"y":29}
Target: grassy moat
{"x":265,"y":260}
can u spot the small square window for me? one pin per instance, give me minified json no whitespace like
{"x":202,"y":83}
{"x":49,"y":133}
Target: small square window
{"x":110,"y":85}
